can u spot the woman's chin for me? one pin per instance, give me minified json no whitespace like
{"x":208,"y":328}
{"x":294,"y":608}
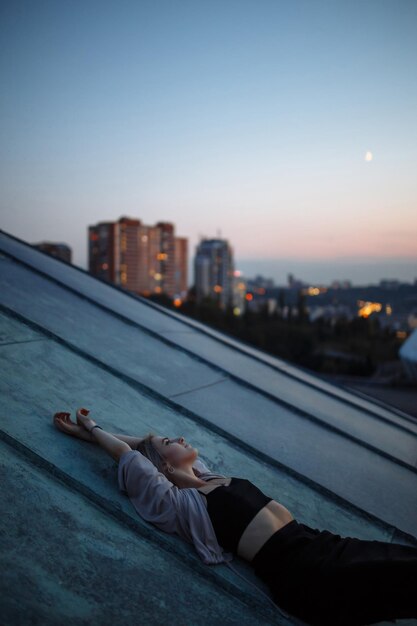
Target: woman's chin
{"x":192,"y":455}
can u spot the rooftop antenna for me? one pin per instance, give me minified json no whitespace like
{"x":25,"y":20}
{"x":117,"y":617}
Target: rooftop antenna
{"x":219,"y":233}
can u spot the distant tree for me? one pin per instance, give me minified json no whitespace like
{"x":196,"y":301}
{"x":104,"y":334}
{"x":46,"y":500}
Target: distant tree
{"x":192,"y":294}
{"x":162,"y":299}
{"x":281,"y":302}
{"x":264,"y":312}
{"x":301,"y":306}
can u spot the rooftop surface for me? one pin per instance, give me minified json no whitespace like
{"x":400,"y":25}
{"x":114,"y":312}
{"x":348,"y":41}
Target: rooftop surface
{"x":75,"y":546}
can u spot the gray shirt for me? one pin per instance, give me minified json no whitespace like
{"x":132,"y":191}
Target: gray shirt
{"x":174,"y":510}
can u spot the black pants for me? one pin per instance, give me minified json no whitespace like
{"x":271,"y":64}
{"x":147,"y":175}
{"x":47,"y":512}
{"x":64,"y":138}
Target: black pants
{"x":326,"y":579}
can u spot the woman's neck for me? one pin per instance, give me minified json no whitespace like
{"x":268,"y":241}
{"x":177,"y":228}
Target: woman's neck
{"x":185,"y":477}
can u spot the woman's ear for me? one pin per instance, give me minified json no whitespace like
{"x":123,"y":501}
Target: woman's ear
{"x":167,"y":468}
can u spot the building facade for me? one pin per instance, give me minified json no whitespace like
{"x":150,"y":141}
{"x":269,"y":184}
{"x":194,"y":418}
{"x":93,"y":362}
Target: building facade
{"x":140,"y":258}
{"x":214,"y":272}
{"x":181,"y":267}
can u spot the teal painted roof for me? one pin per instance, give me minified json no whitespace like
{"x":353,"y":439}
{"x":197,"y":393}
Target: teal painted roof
{"x":76,"y":548}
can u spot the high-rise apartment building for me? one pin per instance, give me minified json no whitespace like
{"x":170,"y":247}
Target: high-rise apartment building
{"x":166,"y":258}
{"x":103,"y":251}
{"x":181,"y":266}
{"x":214,"y":271}
{"x":129,"y":253}
{"x":139,"y":258}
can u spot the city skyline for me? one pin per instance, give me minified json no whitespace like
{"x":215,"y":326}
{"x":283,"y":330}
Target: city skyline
{"x":359,"y":272}
{"x":290,"y":127}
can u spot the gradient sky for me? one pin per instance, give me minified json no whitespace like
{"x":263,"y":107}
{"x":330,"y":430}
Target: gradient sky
{"x":246,"y":119}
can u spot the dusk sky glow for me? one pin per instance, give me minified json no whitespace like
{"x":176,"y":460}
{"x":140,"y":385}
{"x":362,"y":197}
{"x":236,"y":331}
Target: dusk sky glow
{"x":291,"y":127}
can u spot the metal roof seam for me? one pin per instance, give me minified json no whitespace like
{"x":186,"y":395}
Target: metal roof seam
{"x":239,"y":380}
{"x":231,"y":341}
{"x":212,"y":334}
{"x":301,"y":412}
{"x":238,"y":443}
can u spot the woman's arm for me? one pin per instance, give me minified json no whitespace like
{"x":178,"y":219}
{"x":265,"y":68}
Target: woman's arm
{"x":111,"y":444}
{"x":132,"y":441}
{"x":114,"y":446}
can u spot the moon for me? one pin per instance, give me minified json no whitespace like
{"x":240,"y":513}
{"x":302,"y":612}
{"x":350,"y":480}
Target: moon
{"x":369,"y":156}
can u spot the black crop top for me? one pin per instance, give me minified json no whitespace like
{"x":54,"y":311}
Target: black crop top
{"x":231,"y":507}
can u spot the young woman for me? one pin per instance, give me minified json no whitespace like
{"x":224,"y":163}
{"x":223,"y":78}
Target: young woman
{"x":318,"y":576}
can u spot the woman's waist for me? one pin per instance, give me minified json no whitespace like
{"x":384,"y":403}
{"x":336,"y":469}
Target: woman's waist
{"x":270,"y":519}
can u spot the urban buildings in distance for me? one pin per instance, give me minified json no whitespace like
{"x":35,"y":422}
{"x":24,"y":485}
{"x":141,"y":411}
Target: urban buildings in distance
{"x":152,"y":260}
{"x":214,"y":273}
{"x":58,"y":250}
{"x":143,"y":259}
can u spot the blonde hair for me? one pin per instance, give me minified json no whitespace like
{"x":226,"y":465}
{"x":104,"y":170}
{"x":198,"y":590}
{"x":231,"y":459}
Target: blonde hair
{"x":146,"y":447}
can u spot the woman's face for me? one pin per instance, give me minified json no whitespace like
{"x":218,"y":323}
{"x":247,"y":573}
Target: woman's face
{"x":176,"y":451}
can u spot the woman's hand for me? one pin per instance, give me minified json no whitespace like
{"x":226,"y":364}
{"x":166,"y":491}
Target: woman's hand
{"x":83,"y":420}
{"x":63,"y":422}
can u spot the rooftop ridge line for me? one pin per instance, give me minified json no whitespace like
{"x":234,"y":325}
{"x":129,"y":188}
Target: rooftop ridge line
{"x":241,"y":381}
{"x":310,"y":417}
{"x":263,"y":357}
{"x":201,"y":327}
{"x":230,"y":341}
{"x":232,"y":439}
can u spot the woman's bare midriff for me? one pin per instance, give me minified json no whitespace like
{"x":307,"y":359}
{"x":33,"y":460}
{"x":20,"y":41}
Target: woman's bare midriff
{"x":266,"y":522}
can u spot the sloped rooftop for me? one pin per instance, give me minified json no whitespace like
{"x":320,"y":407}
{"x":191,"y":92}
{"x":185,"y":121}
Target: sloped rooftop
{"x":76,"y":548}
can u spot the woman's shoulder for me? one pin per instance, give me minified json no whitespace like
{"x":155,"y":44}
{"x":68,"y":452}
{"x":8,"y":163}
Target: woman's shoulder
{"x":204,"y":472}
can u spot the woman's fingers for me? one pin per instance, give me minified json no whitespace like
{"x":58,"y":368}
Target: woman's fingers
{"x":58,"y":417}
{"x":83,"y":417}
{"x":61,"y":415}
{"x":59,"y":423}
{"x":63,"y":421}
